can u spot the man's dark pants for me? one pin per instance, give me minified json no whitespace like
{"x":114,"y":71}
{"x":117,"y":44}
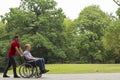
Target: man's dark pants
{"x":11,"y":62}
{"x":41,"y":63}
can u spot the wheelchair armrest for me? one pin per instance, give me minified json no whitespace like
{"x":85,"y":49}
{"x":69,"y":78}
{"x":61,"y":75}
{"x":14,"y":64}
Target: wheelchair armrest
{"x":30,"y":60}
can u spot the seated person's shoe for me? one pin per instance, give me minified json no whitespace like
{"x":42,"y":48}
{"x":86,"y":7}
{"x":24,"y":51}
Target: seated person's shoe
{"x":16,"y":77}
{"x":45,"y":71}
{"x":6,"y":76}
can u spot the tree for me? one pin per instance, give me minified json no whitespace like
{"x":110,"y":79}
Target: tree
{"x":90,"y":27}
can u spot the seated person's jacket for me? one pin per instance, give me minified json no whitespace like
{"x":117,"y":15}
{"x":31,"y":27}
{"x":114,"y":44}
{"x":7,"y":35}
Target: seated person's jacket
{"x":28,"y":56}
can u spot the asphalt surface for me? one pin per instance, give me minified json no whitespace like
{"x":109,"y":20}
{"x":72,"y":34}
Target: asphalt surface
{"x":101,"y":76}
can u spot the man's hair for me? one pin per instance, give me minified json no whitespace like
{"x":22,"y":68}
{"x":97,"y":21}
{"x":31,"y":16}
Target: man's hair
{"x":26,"y":45}
{"x":16,"y":36}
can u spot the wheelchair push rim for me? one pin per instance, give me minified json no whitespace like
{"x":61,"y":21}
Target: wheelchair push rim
{"x":26,"y":70}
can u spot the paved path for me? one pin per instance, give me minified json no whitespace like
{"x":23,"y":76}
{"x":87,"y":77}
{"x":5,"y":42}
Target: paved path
{"x":106,"y":76}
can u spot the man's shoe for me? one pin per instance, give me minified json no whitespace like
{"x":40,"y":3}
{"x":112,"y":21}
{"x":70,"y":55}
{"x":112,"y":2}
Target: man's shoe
{"x":6,"y":76}
{"x":45,"y":71}
{"x":16,"y":77}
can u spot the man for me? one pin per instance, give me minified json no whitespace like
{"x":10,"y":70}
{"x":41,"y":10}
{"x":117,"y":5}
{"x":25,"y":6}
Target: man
{"x":38,"y":61}
{"x":15,"y":46}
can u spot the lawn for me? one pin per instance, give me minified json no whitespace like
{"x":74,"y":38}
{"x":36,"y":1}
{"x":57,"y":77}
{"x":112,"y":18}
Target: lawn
{"x":81,"y":68}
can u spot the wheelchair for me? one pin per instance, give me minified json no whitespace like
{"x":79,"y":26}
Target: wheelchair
{"x":29,"y":69}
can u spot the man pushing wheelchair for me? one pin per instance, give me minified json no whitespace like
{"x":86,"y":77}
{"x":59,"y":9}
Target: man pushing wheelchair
{"x":15,"y":47}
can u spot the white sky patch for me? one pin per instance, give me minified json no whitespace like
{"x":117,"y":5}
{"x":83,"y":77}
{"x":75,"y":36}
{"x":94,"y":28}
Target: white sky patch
{"x":71,"y":8}
{"x":6,"y":4}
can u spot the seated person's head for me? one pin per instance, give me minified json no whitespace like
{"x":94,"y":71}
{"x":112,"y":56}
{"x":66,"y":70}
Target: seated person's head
{"x":27,"y":47}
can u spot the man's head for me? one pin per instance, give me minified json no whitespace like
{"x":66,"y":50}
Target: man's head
{"x":16,"y":37}
{"x":27,"y":47}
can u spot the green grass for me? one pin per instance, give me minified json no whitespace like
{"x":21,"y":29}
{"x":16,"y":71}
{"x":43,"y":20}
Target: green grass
{"x":81,"y":68}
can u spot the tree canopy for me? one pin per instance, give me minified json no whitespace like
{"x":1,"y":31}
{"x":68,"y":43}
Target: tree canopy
{"x":93,"y":37}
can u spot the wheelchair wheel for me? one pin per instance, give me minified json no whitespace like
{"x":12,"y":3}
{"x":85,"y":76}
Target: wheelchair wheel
{"x":37,"y":73}
{"x":26,"y":70}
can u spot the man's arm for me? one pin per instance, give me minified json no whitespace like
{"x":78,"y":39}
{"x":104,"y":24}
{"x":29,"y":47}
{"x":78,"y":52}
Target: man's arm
{"x":21,"y":50}
{"x":20,"y":53}
{"x":30,"y":58}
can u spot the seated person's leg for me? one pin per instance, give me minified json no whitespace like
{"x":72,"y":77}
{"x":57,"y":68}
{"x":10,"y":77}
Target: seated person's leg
{"x":41,"y":63}
{"x":43,"y":60}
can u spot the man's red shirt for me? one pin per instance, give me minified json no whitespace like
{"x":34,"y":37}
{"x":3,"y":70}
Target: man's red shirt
{"x":12,"y":50}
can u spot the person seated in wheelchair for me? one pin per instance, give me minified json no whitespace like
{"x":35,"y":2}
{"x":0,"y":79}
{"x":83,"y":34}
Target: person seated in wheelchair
{"x":38,"y":61}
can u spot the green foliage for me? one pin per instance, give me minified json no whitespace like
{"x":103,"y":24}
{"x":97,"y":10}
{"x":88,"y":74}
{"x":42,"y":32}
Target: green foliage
{"x":93,"y":19}
{"x":90,"y":27}
{"x":118,"y":12}
{"x":3,"y":44}
{"x":112,"y":36}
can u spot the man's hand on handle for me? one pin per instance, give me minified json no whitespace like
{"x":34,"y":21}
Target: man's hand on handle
{"x":19,"y":51}
{"x":21,"y":55}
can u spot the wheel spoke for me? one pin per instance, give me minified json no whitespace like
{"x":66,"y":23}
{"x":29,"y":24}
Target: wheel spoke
{"x":26,"y":70}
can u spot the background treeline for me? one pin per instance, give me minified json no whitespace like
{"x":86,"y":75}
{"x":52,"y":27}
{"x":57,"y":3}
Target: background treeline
{"x":94,"y":37}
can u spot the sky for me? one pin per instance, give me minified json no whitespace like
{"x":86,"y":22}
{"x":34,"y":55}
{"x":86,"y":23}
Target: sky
{"x":71,"y":8}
